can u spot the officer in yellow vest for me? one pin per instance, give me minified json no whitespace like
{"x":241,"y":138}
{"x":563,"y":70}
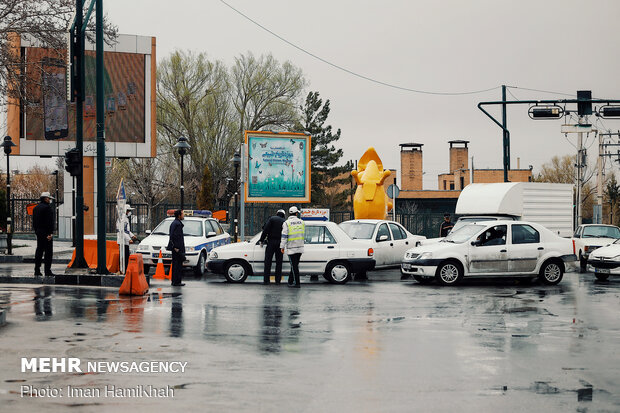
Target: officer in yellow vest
{"x":292,"y":243}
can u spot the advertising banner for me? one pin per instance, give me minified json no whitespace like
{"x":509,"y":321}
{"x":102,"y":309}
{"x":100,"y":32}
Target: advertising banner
{"x":278,"y":166}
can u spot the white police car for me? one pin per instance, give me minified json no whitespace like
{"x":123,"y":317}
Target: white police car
{"x":201,"y":233}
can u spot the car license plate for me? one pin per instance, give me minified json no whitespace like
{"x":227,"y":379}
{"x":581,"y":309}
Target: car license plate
{"x":163,"y":255}
{"x":602,"y":270}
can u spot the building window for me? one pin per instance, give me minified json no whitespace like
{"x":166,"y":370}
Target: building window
{"x":462,"y":182}
{"x":445,"y":185}
{"x":452,"y":185}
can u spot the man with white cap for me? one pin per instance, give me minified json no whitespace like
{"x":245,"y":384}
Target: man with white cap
{"x":124,"y":236}
{"x":292,"y":242}
{"x":43,"y":225}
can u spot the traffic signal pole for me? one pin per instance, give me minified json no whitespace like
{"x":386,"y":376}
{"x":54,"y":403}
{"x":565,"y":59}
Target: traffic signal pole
{"x":79,"y":261}
{"x":101,"y":227}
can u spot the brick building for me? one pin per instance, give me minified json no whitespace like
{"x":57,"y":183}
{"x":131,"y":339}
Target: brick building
{"x":450,"y":183}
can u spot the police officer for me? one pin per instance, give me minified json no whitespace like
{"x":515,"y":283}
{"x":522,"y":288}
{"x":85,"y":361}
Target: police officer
{"x":446,"y":226}
{"x":292,"y":242}
{"x":124,"y":236}
{"x":177,"y":246}
{"x":43,"y":225}
{"x":272,"y":233}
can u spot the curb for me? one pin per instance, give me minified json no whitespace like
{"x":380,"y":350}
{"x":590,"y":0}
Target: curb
{"x":93,"y":280}
{"x":2,"y":317}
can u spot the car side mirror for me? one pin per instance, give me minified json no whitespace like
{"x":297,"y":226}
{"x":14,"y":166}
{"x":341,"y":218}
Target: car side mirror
{"x":211,"y":234}
{"x":382,"y":238}
{"x":148,"y":232}
{"x":475,"y":243}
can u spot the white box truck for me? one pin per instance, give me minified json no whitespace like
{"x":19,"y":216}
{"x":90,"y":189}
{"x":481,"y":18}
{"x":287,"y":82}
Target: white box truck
{"x":548,"y":204}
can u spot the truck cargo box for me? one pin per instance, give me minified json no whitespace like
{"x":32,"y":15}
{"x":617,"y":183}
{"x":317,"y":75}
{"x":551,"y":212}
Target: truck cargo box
{"x":548,"y":204}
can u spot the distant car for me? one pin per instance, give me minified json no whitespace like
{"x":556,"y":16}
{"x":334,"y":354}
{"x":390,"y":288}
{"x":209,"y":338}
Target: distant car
{"x":388,"y":239}
{"x":328,"y":250}
{"x":201,"y":235}
{"x":497,"y":248}
{"x":606,"y":261}
{"x":589,"y":237}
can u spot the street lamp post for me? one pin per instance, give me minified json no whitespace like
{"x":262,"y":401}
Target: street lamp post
{"x":182,"y":146}
{"x":236,"y":160}
{"x":8,"y":148}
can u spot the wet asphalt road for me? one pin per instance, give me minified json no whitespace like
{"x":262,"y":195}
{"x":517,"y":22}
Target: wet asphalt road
{"x":377,"y":346}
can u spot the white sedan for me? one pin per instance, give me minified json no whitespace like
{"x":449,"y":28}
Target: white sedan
{"x":388,"y":239}
{"x":201,"y":234}
{"x":589,"y":237}
{"x":327,"y":251}
{"x":605,"y":260}
{"x":497,"y":248}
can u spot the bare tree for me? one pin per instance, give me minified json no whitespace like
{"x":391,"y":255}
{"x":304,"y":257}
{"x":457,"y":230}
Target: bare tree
{"x":43,"y":21}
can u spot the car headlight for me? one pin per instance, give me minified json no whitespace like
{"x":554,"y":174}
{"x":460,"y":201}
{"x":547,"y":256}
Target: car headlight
{"x":142,"y":248}
{"x":190,"y":249}
{"x":213,"y":255}
{"x":425,"y":255}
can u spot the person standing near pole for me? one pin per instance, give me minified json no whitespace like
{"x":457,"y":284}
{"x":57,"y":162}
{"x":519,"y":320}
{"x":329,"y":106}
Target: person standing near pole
{"x":272,"y":233}
{"x":446,"y":226}
{"x":177,"y":246}
{"x":292,"y":242}
{"x":124,"y":236}
{"x":43,"y":225}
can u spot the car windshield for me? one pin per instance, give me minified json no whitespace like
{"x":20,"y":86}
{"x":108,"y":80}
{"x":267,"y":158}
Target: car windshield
{"x":358,"y":230}
{"x":466,"y":221}
{"x":463,"y":234}
{"x":602,"y":231}
{"x":190,"y":228}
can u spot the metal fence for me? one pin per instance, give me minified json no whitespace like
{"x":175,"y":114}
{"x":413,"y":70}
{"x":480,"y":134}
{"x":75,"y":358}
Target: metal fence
{"x":143,"y":219}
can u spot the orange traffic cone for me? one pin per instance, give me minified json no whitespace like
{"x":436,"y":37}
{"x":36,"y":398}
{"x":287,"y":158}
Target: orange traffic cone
{"x":135,"y":281}
{"x":160,"y":273}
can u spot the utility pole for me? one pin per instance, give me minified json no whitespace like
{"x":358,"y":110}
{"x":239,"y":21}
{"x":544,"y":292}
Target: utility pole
{"x":506,"y":138}
{"x":579,"y":165}
{"x":602,"y":153}
{"x":598,"y":215}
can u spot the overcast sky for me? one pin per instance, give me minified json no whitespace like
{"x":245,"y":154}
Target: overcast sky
{"x":435,"y":46}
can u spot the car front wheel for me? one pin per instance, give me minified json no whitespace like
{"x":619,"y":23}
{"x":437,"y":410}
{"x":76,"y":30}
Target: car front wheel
{"x":601,"y":277}
{"x":551,"y":272}
{"x":236,"y":271}
{"x":199,"y":269}
{"x":449,"y":273}
{"x":338,"y":272}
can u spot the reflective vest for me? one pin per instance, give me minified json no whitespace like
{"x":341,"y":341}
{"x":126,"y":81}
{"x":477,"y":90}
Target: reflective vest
{"x":293,"y":234}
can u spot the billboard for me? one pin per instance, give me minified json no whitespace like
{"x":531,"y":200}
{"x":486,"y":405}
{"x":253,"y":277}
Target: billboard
{"x":278,"y":167}
{"x":46,"y":126}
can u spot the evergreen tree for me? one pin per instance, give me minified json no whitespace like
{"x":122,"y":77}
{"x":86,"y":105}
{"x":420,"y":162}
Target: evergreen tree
{"x":205,"y":197}
{"x":330,"y":183}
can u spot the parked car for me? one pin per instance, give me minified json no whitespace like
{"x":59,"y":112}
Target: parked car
{"x":466,"y":220}
{"x":201,"y":235}
{"x":606,"y":260}
{"x":328,"y":250}
{"x":589,"y":237}
{"x":497,"y":248}
{"x":388,"y":239}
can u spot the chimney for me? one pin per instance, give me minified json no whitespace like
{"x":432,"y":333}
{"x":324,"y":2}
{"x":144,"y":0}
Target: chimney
{"x":411,"y":166}
{"x":458,"y":155}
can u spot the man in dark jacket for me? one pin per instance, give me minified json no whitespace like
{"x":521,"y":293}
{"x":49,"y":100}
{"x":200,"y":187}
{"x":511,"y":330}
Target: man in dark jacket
{"x":43,"y":225}
{"x":177,"y":246}
{"x":446,"y":226}
{"x":272,"y":233}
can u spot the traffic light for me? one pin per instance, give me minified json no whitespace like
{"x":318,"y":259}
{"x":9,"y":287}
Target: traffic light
{"x":584,"y":102}
{"x":73,"y":162}
{"x":609,"y":112}
{"x":546,"y":112}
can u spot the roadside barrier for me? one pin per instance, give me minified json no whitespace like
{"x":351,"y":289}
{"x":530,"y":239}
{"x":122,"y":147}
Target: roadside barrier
{"x":90,"y":255}
{"x":135,"y":281}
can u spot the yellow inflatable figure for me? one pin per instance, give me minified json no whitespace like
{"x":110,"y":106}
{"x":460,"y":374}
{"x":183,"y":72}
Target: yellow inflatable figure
{"x":371,"y":201}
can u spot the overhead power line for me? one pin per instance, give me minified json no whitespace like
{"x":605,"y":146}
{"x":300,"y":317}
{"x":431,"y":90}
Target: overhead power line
{"x":379,"y":82}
